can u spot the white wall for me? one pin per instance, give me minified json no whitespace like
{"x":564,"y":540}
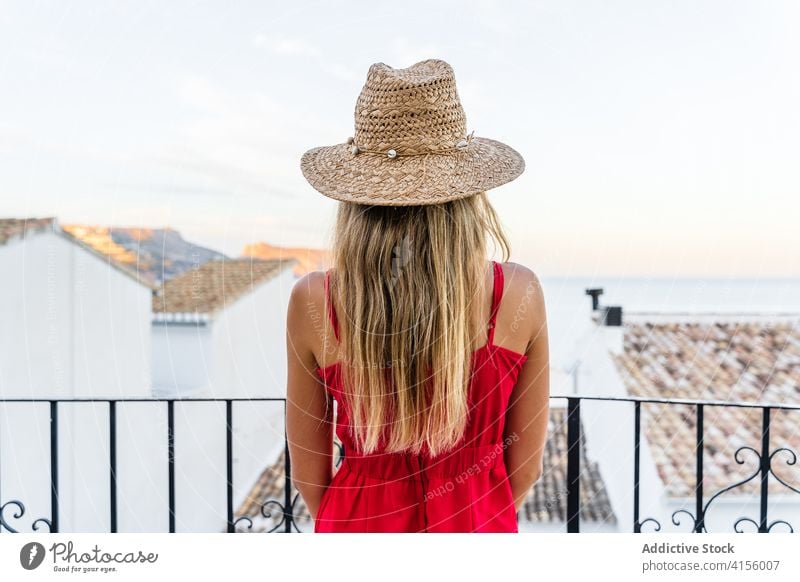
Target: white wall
{"x":71,"y":325}
{"x":250,"y":342}
{"x":609,"y":429}
{"x":183,"y":357}
{"x":240,"y":353}
{"x":112,"y":315}
{"x":142,"y":462}
{"x":250,"y":361}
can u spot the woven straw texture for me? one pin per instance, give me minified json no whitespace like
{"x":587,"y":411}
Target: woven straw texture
{"x":410,"y":145}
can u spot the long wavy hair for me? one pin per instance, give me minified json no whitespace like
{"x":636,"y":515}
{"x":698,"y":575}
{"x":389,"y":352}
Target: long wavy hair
{"x":407,"y":283}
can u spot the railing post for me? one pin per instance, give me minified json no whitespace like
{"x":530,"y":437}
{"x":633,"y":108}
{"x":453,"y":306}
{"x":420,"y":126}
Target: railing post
{"x":699,"y":524}
{"x":1,"y":477}
{"x":54,"y":466}
{"x":112,"y":461}
{"x":765,"y":468}
{"x":171,"y":461}
{"x":637,"y":424}
{"x":288,"y":511}
{"x":573,"y":464}
{"x":229,"y":460}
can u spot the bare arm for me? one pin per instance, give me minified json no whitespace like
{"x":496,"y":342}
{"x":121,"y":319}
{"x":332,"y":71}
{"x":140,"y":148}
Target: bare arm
{"x":528,"y":413}
{"x":309,"y":413}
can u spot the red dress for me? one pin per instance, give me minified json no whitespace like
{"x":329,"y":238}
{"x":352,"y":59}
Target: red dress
{"x":463,"y":490}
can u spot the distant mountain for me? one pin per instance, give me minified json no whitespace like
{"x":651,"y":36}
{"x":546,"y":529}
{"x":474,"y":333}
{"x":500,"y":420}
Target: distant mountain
{"x":157,"y":254}
{"x":307,"y":259}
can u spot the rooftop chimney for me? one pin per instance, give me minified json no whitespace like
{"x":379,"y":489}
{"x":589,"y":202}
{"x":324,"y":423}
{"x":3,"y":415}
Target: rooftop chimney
{"x":608,"y":316}
{"x":595,"y":293}
{"x":612,"y":316}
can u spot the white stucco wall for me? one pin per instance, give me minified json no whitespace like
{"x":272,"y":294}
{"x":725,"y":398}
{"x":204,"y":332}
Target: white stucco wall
{"x":239,"y":353}
{"x":250,"y":350}
{"x":71,"y":326}
{"x":250,"y":342}
{"x":609,"y":429}
{"x":37,"y":349}
{"x":183,"y":358}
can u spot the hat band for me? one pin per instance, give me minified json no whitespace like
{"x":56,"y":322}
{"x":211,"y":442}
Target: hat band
{"x":393,"y":153}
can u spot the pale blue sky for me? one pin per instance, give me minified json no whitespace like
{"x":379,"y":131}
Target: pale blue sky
{"x":661,"y":138}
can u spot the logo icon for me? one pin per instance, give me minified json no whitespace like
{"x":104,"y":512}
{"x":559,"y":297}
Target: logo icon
{"x":31,"y":555}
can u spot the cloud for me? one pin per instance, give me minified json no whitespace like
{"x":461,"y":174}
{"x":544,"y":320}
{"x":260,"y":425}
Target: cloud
{"x":287,"y":46}
{"x":222,"y":174}
{"x":236,"y":143}
{"x":303,"y":48}
{"x":12,"y":140}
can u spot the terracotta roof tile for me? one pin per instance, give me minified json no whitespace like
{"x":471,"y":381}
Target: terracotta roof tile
{"x":749,"y":361}
{"x":547,"y":500}
{"x":214,"y":285}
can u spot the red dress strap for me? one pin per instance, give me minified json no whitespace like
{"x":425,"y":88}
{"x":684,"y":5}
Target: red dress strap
{"x":497,"y":295}
{"x":329,"y":303}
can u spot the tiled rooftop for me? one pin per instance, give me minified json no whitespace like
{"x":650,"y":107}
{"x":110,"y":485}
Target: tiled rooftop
{"x":16,"y":228}
{"x":545,"y":504}
{"x":750,"y":361}
{"x":547,"y":499}
{"x":214,"y":285}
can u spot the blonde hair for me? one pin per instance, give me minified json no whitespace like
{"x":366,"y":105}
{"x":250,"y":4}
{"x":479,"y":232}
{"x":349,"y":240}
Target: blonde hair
{"x":405,"y":283}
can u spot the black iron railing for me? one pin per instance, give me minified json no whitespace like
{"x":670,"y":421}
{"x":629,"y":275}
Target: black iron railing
{"x":16,"y":508}
{"x":763,"y":472}
{"x":284,"y":508}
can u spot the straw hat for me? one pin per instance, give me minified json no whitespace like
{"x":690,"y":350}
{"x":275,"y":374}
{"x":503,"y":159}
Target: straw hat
{"x":411,"y":144}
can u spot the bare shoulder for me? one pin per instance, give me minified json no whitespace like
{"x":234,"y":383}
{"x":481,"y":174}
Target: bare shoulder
{"x":522,"y":281}
{"x":307,"y":298}
{"x":524,"y":306}
{"x":309,"y":287}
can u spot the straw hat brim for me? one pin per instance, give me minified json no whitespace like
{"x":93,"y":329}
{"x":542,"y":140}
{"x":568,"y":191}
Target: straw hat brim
{"x":376,"y":179}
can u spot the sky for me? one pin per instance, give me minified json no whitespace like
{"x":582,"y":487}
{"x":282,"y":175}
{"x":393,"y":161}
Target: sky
{"x":661,"y":139}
